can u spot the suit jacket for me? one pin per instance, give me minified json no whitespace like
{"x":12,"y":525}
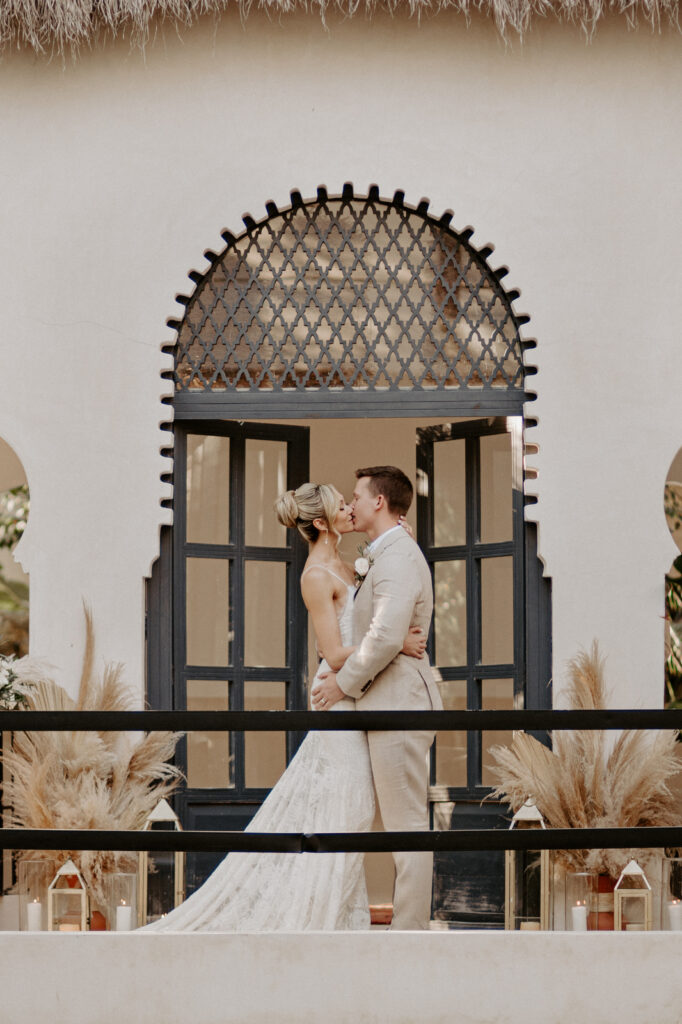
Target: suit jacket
{"x":396,"y":594}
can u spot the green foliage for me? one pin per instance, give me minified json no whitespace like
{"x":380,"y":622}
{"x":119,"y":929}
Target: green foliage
{"x":672,"y":504}
{"x":14,"y":507}
{"x":673,"y":612}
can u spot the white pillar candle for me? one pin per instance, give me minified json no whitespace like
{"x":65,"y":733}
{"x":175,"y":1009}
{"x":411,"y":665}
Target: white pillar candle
{"x":675,"y":916}
{"x":124,"y":918}
{"x":579,"y":917}
{"x":34,"y":912}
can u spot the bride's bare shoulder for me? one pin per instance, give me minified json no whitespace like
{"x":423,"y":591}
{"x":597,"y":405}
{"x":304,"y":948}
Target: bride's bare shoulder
{"x":315,"y":575}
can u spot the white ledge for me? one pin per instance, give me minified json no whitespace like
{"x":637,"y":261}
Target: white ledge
{"x":473,"y":977}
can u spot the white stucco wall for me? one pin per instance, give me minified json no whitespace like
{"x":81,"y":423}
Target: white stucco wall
{"x":402,"y":977}
{"x":118,"y":171}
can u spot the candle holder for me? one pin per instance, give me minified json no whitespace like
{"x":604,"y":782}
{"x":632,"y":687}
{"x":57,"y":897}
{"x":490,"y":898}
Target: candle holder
{"x":33,"y":880}
{"x":671,"y":910}
{"x":633,"y":900}
{"x":161,"y":876}
{"x":67,"y":901}
{"x":581,"y":901}
{"x":528,"y":875}
{"x":121,"y":899}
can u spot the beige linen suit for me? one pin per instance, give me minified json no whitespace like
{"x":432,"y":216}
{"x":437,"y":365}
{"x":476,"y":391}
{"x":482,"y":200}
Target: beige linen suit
{"x":395,"y":595}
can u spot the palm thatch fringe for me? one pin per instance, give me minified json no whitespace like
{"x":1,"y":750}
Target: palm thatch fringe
{"x":585,"y":781}
{"x":84,"y":780}
{"x":62,"y":26}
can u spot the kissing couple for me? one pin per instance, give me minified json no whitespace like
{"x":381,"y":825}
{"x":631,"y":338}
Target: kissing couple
{"x":371,"y":622}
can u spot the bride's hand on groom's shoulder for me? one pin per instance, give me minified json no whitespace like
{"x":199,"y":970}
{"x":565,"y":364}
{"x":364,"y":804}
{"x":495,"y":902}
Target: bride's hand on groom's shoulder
{"x":402,"y":521}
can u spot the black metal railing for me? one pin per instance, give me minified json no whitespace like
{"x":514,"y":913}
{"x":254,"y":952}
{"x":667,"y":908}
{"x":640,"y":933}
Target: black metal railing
{"x":335,"y":842}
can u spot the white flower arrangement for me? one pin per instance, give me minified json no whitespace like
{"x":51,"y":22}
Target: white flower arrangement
{"x":13,"y":690}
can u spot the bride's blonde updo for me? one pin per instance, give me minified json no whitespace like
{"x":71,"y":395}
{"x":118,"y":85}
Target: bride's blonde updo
{"x":310,"y":501}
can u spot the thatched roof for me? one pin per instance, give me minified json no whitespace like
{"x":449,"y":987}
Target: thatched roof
{"x":49,"y":26}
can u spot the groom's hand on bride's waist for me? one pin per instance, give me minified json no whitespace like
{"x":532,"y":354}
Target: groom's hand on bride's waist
{"x":326,"y":693}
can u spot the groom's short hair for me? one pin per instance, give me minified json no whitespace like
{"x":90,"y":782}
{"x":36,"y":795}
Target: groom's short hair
{"x":392,"y":483}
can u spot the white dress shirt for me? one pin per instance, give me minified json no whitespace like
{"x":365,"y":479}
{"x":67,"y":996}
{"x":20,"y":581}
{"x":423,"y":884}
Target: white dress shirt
{"x":377,"y":540}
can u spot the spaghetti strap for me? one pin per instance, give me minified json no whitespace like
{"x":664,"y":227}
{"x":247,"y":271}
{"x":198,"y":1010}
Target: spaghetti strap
{"x":331,"y":572}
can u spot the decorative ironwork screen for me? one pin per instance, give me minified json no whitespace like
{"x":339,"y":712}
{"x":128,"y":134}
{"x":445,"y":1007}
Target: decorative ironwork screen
{"x":348,"y":294}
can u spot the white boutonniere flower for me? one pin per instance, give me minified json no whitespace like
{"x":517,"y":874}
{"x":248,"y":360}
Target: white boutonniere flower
{"x":362,"y":566}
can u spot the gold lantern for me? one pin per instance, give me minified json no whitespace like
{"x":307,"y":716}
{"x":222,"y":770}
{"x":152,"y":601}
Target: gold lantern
{"x":527,"y":878}
{"x":633,"y":900}
{"x":67,"y":901}
{"x":161,"y":877}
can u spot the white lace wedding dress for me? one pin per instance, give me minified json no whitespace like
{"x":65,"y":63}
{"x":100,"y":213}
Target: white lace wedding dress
{"x":327,"y":787}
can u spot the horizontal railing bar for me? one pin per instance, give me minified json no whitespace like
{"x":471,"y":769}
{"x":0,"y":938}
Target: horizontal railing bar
{"x":342,"y":842}
{"x":268,"y":721}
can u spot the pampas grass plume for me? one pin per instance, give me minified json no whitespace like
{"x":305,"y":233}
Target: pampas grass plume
{"x":85,"y":780}
{"x":585,"y":782}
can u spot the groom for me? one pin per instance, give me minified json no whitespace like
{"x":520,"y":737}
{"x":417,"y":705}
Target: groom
{"x":394,"y":595}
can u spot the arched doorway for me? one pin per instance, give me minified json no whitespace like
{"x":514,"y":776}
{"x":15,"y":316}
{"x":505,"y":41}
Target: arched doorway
{"x":336,"y":325}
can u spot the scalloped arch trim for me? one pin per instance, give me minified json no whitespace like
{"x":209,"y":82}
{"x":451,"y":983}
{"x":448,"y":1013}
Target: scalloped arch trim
{"x":349,"y":291}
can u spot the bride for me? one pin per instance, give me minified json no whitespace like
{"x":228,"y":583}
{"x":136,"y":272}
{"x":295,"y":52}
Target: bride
{"x":327,"y":787}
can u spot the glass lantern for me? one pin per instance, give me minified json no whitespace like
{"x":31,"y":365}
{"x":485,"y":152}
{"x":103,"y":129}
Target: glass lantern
{"x":161,"y":876}
{"x":33,"y":880}
{"x":671,"y":916}
{"x":581,"y":901}
{"x":120,"y":888}
{"x":527,"y":878}
{"x":632,"y":900}
{"x":67,"y":901}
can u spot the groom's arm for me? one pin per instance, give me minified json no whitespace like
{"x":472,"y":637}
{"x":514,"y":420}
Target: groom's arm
{"x":395,"y":591}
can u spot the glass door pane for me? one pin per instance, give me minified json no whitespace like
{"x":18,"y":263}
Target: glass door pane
{"x":496,"y":488}
{"x":266,"y":478}
{"x":450,"y":613}
{"x":451,"y":747}
{"x":208,"y":489}
{"x":265,"y":607}
{"x":209,"y":760}
{"x":496,"y":695}
{"x":265,"y":753}
{"x":209,"y":639}
{"x":497,"y":610}
{"x":449,"y":493}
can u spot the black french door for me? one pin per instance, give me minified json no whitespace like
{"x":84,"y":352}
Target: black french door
{"x":238,"y":634}
{"x":471,"y":530}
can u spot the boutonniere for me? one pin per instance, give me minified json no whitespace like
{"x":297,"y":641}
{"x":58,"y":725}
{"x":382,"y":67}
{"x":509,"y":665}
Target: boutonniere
{"x":362,"y":566}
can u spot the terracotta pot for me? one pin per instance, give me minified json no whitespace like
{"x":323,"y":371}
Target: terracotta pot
{"x":98,"y":922}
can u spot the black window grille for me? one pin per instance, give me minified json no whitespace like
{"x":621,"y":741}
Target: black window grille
{"x":348,"y":294}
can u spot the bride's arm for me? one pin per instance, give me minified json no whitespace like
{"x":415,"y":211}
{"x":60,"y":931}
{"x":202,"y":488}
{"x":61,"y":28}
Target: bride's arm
{"x":318,"y":594}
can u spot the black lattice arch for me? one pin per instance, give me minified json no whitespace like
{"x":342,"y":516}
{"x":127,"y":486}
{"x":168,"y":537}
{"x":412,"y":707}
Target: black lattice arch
{"x":348,"y":294}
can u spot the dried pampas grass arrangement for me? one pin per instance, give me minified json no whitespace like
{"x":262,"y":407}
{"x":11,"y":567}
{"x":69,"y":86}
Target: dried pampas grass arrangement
{"x":585,"y":781}
{"x":85,"y":780}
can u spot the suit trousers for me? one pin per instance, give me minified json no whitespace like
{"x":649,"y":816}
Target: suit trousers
{"x":399,"y":767}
